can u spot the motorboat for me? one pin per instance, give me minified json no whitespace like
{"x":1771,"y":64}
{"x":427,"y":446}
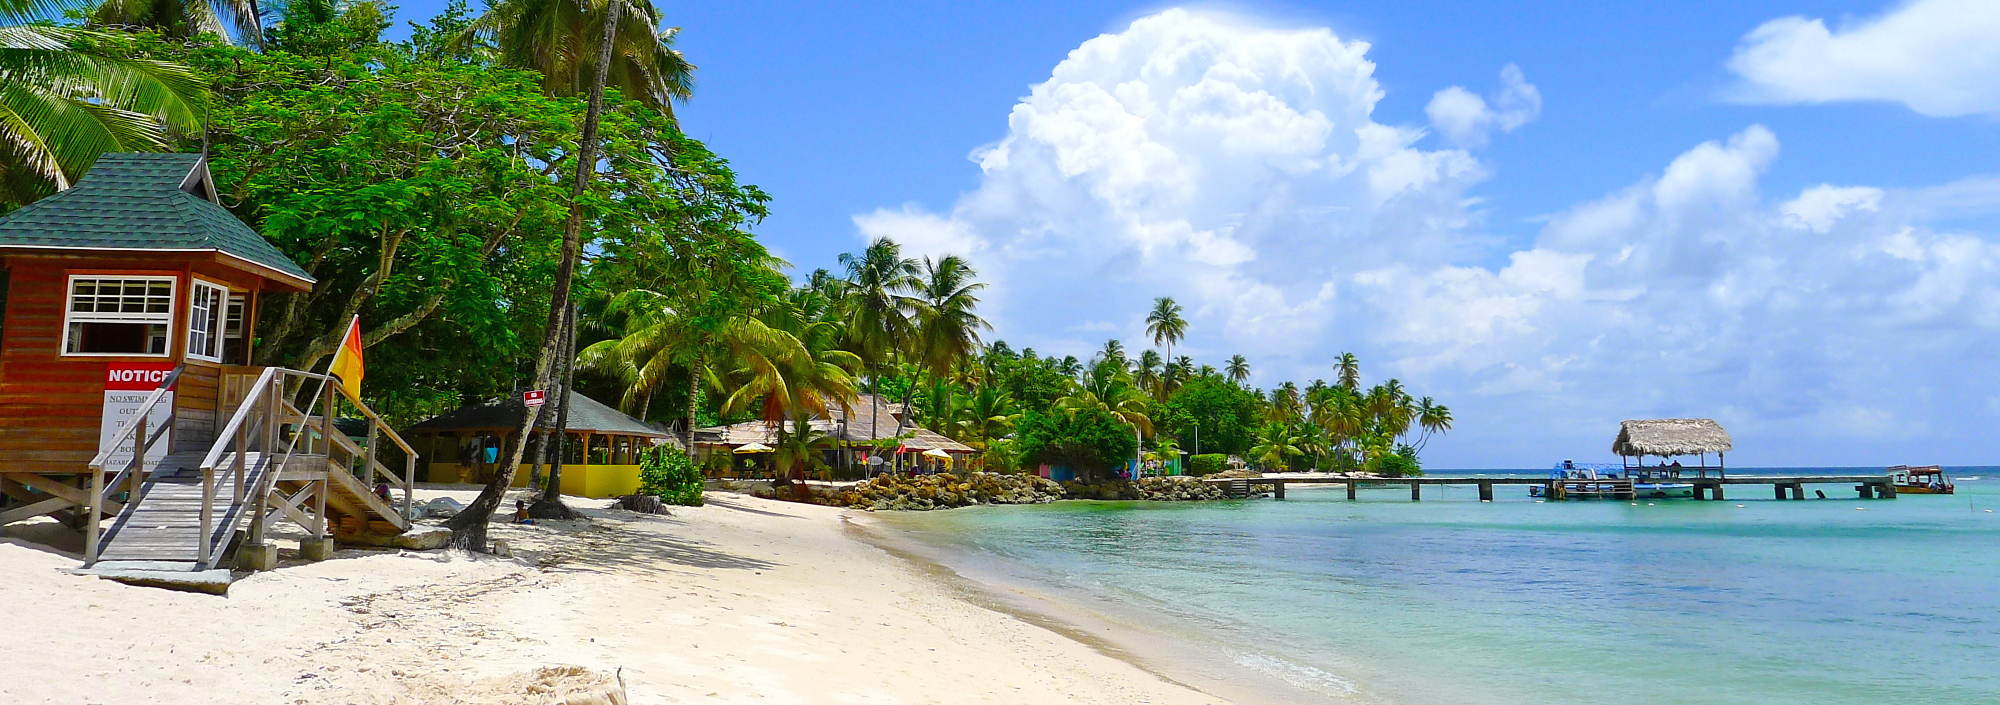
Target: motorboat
{"x":1920,"y":479}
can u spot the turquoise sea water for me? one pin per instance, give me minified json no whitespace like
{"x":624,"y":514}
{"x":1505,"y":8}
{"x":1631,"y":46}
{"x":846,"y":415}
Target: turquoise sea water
{"x":1451,"y":600}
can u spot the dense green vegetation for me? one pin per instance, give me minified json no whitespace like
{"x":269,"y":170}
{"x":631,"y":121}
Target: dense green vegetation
{"x":432,"y":187}
{"x":668,"y":473}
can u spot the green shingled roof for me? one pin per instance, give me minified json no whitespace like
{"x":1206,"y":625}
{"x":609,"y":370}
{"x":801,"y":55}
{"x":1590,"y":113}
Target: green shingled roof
{"x":138,"y":202}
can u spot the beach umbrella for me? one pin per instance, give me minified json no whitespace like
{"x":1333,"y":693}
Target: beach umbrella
{"x":753,"y":448}
{"x":938,"y":453}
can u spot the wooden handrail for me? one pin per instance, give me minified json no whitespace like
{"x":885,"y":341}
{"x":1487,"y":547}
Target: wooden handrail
{"x":230,"y":431}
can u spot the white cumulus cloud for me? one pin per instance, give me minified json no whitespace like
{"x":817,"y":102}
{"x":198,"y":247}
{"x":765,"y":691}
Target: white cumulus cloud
{"x":1237,"y":167}
{"x":1465,"y":119}
{"x":1938,"y":57}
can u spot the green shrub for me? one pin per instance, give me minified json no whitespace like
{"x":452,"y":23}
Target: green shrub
{"x":667,"y":473}
{"x":1090,"y":441}
{"x":1398,"y":465}
{"x":1207,"y":464}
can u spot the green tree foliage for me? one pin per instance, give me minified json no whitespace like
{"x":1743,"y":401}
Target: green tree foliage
{"x":1207,"y":464}
{"x":1090,"y":441}
{"x":667,"y":472}
{"x":68,"y":95}
{"x":1225,"y":412}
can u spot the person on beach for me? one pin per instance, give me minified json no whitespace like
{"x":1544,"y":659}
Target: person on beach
{"x":521,"y":513}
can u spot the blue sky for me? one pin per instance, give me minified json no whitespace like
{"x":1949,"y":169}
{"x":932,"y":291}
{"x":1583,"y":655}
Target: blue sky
{"x":1698,"y":208}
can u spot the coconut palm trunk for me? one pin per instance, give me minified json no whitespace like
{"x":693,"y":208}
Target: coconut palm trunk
{"x":468,"y":528}
{"x":694,"y":396}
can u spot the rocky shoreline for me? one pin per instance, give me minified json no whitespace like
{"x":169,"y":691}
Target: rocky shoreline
{"x":929,"y":492}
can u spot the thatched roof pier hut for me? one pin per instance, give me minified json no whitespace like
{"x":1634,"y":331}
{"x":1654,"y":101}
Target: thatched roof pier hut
{"x":1670,"y":438}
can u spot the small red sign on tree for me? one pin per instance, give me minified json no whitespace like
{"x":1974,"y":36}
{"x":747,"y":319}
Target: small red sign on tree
{"x":534,"y":397}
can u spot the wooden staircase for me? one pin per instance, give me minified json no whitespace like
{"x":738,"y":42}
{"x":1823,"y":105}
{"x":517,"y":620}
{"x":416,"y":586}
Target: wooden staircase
{"x":271,"y":461}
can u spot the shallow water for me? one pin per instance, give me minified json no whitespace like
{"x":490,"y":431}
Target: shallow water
{"x":1451,"y":600}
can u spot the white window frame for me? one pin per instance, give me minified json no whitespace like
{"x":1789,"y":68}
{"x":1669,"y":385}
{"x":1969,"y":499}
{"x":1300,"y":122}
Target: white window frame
{"x":240,"y":301}
{"x":216,"y":326}
{"x":70,"y":315}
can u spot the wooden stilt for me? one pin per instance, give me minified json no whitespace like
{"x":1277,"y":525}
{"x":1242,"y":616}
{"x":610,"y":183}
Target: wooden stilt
{"x":1485,"y":491}
{"x":1416,"y":492}
{"x":1351,"y":487}
{"x":1278,"y":490}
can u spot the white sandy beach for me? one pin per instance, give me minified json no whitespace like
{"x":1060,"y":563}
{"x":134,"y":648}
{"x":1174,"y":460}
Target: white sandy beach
{"x":741,"y":601}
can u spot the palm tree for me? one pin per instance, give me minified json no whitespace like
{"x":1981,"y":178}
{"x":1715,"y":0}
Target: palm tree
{"x":799,"y":449}
{"x":64,"y":102}
{"x":1286,"y":405}
{"x":991,"y":414}
{"x":1165,"y":323}
{"x":561,"y":38}
{"x":1432,"y":417}
{"x":184,"y":19}
{"x":947,"y":327}
{"x":1177,"y":373}
{"x":1108,"y":386}
{"x":878,"y":307}
{"x":1238,"y":369}
{"x":1348,"y":371}
{"x":687,"y":330}
{"x":1275,"y":447}
{"x":1146,"y":373}
{"x":1113,"y":350}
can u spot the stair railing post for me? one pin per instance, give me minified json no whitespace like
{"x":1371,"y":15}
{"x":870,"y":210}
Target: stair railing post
{"x":319,"y":507}
{"x":368,"y":455}
{"x":138,"y":465}
{"x":256,"y":506}
{"x":326,"y":419}
{"x":207,"y":515}
{"x":242,"y":450}
{"x":96,"y":509}
{"x":409,"y":481}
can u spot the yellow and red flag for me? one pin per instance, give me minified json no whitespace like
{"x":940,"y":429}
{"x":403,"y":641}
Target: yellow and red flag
{"x":347,"y":363}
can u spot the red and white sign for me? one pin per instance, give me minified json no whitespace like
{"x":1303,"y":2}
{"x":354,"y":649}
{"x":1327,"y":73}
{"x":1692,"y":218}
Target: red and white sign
{"x":126,"y":386}
{"x":534,"y":397}
{"x":135,"y":376}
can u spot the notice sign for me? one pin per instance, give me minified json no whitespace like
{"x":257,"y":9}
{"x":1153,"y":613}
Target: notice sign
{"x":534,"y":397}
{"x":126,"y":386}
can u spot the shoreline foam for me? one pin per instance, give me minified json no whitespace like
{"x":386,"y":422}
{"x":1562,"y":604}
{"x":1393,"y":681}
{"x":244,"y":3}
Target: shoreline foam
{"x":1133,"y":634}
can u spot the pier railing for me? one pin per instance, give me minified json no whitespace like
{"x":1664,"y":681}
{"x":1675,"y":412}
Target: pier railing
{"x":1866,"y":486}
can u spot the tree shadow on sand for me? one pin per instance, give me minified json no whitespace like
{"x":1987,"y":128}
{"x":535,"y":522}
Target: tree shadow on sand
{"x":726,"y":504}
{"x":640,"y":549}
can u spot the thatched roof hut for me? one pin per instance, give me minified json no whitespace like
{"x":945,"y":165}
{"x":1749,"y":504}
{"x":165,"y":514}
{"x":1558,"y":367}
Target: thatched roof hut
{"x":1670,"y":437}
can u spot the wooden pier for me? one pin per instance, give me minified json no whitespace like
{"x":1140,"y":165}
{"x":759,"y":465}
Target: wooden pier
{"x":1705,"y":488}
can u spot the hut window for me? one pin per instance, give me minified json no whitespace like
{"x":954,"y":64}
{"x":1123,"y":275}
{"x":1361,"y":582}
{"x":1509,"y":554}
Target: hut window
{"x":205,"y":309}
{"x":232,"y":332}
{"x":118,"y":315}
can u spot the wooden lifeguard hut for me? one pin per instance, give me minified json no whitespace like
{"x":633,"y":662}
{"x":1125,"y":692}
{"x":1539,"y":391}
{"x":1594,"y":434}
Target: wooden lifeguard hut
{"x":128,"y":407}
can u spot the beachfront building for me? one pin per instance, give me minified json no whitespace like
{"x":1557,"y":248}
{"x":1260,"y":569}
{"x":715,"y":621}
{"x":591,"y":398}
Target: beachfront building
{"x":601,"y":453}
{"x":871,"y":436}
{"x":1671,"y":439}
{"x":129,"y":407}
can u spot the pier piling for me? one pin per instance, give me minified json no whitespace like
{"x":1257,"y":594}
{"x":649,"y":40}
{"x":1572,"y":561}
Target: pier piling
{"x":1485,"y":491}
{"x":1416,"y":492}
